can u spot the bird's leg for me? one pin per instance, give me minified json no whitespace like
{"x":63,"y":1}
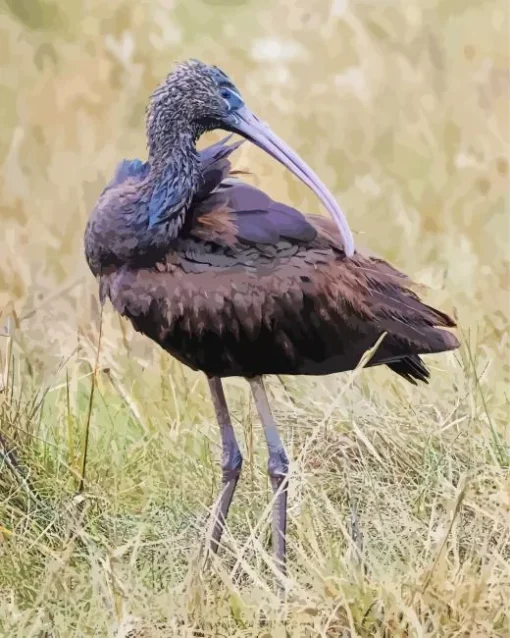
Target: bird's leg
{"x":231,"y":463}
{"x":278,"y":470}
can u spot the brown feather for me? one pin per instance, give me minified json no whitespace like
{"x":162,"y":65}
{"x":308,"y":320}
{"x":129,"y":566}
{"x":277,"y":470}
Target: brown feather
{"x":215,"y":225}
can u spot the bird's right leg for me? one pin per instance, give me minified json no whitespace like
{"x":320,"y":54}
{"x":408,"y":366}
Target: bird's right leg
{"x":231,"y":464}
{"x":278,"y":470}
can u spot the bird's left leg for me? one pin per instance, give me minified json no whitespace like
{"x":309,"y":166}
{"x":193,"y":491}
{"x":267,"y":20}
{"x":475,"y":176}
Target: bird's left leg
{"x":231,"y":464}
{"x":278,"y":470}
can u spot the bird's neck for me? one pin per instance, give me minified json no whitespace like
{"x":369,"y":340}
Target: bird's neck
{"x":175,"y":155}
{"x":173,"y":146}
{"x":175,"y":177}
{"x":138,"y":226}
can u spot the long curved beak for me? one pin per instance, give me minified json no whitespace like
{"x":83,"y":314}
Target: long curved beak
{"x":245,"y":123}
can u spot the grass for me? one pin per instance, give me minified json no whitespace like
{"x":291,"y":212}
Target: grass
{"x":402,"y":108}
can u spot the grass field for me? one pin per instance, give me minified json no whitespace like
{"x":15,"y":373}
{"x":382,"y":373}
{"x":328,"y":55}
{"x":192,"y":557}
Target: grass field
{"x":402,"y":108}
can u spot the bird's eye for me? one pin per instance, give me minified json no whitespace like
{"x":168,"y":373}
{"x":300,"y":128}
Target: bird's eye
{"x":232,"y":99}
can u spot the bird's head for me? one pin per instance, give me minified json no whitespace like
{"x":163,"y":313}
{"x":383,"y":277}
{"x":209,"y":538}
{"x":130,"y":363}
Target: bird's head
{"x":198,"y":97}
{"x":194,"y":95}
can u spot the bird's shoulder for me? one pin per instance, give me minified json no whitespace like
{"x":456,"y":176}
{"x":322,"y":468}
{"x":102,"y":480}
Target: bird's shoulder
{"x":122,"y":194}
{"x":128,"y":175}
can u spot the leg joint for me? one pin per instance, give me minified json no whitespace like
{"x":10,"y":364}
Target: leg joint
{"x":232,"y":464}
{"x":278,"y":464}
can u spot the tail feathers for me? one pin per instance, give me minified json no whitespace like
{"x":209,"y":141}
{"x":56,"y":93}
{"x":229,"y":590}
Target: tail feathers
{"x":411,"y":368}
{"x":411,"y":338}
{"x":425,"y":334}
{"x":412,"y":327}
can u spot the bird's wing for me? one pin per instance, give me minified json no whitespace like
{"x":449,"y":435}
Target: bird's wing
{"x":225,"y":205}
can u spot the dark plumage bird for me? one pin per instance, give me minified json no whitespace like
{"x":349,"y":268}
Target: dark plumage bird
{"x":232,"y":283}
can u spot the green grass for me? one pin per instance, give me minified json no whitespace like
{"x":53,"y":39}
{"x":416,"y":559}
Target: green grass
{"x":402,"y":108}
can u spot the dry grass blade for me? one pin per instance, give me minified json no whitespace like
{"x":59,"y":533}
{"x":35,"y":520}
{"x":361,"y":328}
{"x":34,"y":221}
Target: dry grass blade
{"x":93,"y":383}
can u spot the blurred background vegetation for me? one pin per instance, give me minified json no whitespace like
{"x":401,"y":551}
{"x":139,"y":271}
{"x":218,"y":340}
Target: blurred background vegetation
{"x":402,"y":108}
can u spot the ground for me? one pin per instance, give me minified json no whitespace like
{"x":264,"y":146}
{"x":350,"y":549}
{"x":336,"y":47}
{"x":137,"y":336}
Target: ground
{"x":399,"y":502}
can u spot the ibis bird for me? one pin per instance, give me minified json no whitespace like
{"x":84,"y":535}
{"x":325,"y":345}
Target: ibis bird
{"x":232,"y":283}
